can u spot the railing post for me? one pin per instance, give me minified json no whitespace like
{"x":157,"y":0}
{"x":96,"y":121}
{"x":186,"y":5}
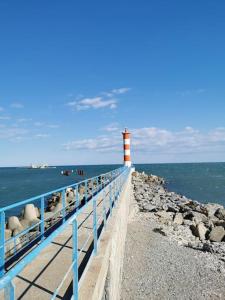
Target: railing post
{"x":75,"y":260}
{"x":86,"y":191}
{"x":77,"y":201}
{"x":2,"y":243}
{"x":117,"y":188}
{"x":103,"y":207}
{"x":110,"y":198}
{"x":101,"y":182}
{"x":95,"y":230}
{"x":42,"y":218}
{"x":64,"y":205}
{"x":113,"y":193}
{"x":10,"y":291}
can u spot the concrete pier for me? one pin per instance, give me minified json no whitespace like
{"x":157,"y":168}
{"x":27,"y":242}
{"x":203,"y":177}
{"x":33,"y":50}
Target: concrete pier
{"x":41,"y":278}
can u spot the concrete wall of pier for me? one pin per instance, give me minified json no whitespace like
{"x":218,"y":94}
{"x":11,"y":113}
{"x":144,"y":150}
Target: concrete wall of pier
{"x":103,"y":277}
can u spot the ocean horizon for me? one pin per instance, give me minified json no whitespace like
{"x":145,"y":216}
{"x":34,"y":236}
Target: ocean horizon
{"x":204,"y":182}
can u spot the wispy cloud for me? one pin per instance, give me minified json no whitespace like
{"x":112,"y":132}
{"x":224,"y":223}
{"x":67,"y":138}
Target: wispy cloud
{"x":105,"y":100}
{"x":1,"y":108}
{"x":120,"y":90}
{"x":100,"y":143}
{"x":17,"y":105}
{"x":157,"y":140}
{"x":96,"y":102}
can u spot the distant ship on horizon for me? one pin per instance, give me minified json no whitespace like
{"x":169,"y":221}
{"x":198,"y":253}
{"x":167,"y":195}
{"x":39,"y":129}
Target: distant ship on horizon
{"x":40,"y":166}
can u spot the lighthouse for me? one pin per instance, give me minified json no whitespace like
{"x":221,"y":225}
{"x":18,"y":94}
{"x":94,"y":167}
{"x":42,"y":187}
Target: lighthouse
{"x":126,"y":147}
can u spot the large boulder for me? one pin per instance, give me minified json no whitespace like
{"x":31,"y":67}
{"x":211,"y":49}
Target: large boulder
{"x":217,"y":234}
{"x":199,"y":217}
{"x":199,"y":231}
{"x":195,"y":216}
{"x":30,"y":213}
{"x":14,"y":223}
{"x":178,"y":219}
{"x":211,"y":208}
{"x":220,"y":213}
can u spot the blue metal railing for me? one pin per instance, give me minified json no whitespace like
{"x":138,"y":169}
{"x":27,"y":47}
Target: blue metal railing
{"x":107,"y":186}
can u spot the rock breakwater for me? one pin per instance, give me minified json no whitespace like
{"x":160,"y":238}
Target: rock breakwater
{"x":188,"y":222}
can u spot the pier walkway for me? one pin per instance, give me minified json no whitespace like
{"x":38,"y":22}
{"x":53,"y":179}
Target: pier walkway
{"x":157,"y":268}
{"x":52,"y":265}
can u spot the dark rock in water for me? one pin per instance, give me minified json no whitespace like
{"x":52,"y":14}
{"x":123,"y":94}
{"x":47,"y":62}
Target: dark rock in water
{"x":217,"y":234}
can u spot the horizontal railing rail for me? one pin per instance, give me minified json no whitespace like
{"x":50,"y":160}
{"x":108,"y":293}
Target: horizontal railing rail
{"x":105,"y":186}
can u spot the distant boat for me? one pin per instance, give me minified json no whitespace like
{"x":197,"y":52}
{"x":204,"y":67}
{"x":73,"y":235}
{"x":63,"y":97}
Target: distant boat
{"x":40,"y":166}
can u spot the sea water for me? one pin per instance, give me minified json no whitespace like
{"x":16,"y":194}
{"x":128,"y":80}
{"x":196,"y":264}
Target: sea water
{"x":204,"y":182}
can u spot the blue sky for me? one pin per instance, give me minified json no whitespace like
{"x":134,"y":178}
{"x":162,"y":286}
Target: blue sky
{"x":73,"y":74}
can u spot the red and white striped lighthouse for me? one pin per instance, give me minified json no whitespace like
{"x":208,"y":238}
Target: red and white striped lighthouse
{"x":126,"y":147}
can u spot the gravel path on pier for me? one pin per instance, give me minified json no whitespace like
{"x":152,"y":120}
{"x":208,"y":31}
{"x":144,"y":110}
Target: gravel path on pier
{"x":157,"y":268}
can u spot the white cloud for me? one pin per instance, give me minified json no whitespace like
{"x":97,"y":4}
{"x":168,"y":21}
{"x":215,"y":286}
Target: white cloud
{"x":17,"y":105}
{"x":120,"y":90}
{"x":106,"y":100}
{"x":100,"y":143}
{"x":95,"y":103}
{"x":158,"y":141}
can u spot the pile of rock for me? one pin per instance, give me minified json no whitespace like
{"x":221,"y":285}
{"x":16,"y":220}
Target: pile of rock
{"x":192,"y":224}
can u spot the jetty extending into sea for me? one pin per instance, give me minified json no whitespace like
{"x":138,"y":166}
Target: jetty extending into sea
{"x":49,"y":250}
{"x":119,"y":235}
